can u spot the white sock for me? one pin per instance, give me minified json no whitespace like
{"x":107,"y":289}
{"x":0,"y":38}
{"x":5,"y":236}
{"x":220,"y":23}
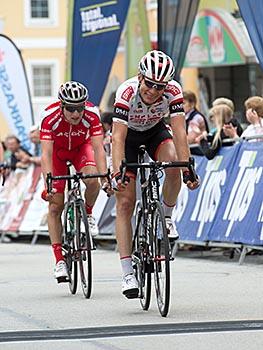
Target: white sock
{"x":126,"y":265}
{"x":168,"y":210}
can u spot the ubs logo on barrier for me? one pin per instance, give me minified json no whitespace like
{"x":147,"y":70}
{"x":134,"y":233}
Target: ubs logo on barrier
{"x":210,"y":194}
{"x":228,"y":206}
{"x":243,"y":191}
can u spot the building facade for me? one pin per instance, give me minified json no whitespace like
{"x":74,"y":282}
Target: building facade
{"x":38,"y":29}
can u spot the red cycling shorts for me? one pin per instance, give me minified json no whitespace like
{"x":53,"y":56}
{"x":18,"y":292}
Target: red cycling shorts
{"x":79,"y":157}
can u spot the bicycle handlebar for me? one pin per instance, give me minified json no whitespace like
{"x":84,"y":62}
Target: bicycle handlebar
{"x":75,"y":177}
{"x":161,"y":165}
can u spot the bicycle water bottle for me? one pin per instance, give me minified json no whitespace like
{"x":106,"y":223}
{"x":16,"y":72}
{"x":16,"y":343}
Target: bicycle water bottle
{"x":71,"y":217}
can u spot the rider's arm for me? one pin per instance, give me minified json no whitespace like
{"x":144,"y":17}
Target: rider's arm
{"x":119,"y":133}
{"x":182,"y":148}
{"x":99,"y":153}
{"x":180,"y":137}
{"x":46,"y":157}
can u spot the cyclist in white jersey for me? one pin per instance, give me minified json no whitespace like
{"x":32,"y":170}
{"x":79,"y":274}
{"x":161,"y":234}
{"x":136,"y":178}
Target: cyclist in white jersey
{"x":141,"y":104}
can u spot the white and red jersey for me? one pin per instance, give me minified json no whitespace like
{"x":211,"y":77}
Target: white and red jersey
{"x":133,"y":112}
{"x":54,"y":127}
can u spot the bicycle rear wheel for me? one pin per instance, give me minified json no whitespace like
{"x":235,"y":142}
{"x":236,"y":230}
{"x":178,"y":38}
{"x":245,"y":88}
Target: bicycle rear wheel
{"x":161,"y":258}
{"x":70,"y":246}
{"x":85,"y":245}
{"x":142,"y":265}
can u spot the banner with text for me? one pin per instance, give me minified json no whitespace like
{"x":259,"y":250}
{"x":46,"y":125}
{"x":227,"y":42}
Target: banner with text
{"x":228,"y":207}
{"x":96,"y":30}
{"x":252,"y":12}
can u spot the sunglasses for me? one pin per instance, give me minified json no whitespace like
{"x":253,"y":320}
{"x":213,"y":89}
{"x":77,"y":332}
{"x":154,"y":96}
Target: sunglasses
{"x":72,"y":109}
{"x":151,"y":84}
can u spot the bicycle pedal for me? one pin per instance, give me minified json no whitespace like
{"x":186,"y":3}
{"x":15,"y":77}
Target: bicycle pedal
{"x":132,"y":295}
{"x":63,"y":279}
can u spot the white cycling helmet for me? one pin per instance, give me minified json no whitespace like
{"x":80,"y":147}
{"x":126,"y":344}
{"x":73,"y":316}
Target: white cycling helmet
{"x":157,"y":66}
{"x":73,"y":92}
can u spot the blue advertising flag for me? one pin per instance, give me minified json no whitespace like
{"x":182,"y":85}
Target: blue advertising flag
{"x":96,"y":30}
{"x":252,"y":14}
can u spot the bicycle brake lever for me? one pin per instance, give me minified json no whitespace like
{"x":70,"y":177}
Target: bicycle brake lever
{"x":49,"y":183}
{"x":123,"y":170}
{"x":193,"y":175}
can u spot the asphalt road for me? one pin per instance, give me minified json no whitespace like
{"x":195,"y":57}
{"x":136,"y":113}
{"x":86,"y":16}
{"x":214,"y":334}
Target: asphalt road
{"x":215,"y":304}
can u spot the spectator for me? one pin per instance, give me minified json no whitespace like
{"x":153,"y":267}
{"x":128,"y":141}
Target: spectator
{"x":224,"y":101}
{"x":196,"y":122}
{"x":17,"y":152}
{"x":234,"y":122}
{"x":34,"y":136}
{"x":106,"y":120}
{"x":1,"y":152}
{"x":254,"y":115}
{"x":210,"y":144}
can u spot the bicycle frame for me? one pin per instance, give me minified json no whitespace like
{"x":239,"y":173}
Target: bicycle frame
{"x":151,"y":247}
{"x":150,"y":187}
{"x":77,"y":239}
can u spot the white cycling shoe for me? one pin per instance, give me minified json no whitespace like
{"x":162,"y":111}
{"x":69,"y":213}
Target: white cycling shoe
{"x":93,"y":227}
{"x":61,"y":272}
{"x":171,"y":228}
{"x":130,"y":286}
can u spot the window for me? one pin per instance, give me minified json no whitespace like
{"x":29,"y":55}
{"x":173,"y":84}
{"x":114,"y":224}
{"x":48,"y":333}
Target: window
{"x":42,"y":81}
{"x":41,"y":12}
{"x":39,"y":9}
{"x":151,"y":4}
{"x":43,"y":78}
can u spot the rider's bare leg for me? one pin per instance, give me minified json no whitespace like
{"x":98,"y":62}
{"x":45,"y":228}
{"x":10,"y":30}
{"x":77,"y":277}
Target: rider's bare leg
{"x":172,"y":182}
{"x":55,"y":226}
{"x":55,"y":209}
{"x":92,"y":186}
{"x":125,"y":202}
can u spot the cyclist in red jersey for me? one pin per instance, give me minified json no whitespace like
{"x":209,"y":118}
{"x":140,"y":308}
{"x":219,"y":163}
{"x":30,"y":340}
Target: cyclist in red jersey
{"x":140,"y":107}
{"x":71,"y":132}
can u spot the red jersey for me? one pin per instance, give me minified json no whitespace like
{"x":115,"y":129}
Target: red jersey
{"x":54,"y":127}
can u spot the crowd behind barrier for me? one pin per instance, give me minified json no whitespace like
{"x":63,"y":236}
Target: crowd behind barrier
{"x":228,"y":206}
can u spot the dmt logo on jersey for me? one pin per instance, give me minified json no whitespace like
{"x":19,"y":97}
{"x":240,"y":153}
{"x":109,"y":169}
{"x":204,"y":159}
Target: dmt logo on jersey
{"x":93,"y":21}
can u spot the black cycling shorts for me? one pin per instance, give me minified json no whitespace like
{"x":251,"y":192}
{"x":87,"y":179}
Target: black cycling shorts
{"x":151,"y":138}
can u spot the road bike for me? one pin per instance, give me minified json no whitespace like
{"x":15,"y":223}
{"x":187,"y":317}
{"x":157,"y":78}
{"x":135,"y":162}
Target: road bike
{"x":151,"y":246}
{"x":77,"y":242}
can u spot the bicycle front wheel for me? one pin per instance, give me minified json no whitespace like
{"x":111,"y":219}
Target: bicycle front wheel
{"x":85,"y":245}
{"x":142,"y":265}
{"x":161,"y":259}
{"x":70,"y":246}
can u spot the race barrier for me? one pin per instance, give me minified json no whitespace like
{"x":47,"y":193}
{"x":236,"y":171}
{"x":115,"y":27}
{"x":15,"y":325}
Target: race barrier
{"x":228,"y":206}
